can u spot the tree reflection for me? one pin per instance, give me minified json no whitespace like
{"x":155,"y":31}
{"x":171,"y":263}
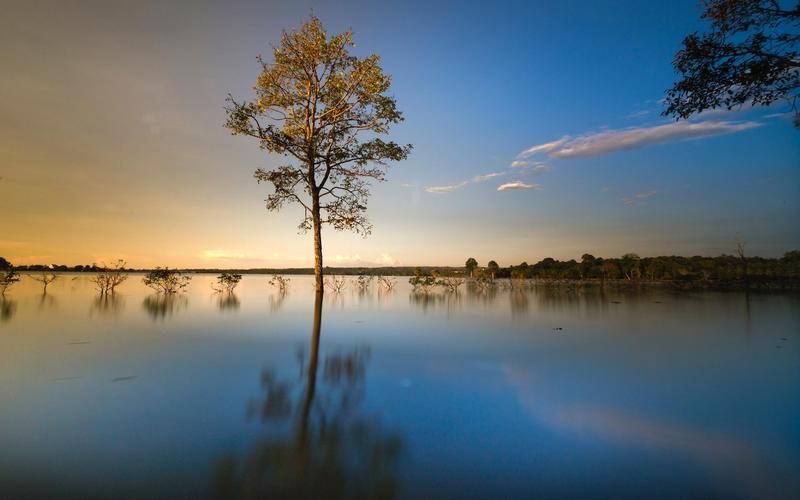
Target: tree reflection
{"x":46,"y":301}
{"x":110,"y":304}
{"x":276,"y":300}
{"x":8,"y":308}
{"x":161,"y":306}
{"x":519,"y":302}
{"x":330,"y":449}
{"x":227,"y":301}
{"x":449,"y":301}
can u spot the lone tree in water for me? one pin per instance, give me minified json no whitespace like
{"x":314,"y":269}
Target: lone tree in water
{"x":749,"y":56}
{"x":312,"y":105}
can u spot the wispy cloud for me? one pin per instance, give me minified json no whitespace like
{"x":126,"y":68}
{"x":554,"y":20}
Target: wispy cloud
{"x":518,"y":185}
{"x":638,"y":198}
{"x":610,"y":141}
{"x":449,"y":188}
{"x":519,"y":164}
{"x":486,"y":177}
{"x":544,"y":148}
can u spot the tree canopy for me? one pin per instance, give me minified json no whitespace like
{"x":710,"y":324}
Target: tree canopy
{"x":325,"y":110}
{"x":750,"y":55}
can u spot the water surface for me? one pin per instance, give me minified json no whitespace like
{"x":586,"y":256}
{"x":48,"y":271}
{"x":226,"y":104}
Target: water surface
{"x":505,"y":394}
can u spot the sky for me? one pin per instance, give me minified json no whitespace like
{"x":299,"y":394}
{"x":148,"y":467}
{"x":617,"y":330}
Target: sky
{"x":536,"y":129}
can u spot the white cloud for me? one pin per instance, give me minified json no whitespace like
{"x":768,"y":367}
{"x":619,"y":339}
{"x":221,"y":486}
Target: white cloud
{"x":388,"y":260}
{"x":518,"y":185}
{"x":449,"y":188}
{"x":544,"y":148}
{"x":486,"y":177}
{"x":606,"y":142}
{"x":519,"y":164}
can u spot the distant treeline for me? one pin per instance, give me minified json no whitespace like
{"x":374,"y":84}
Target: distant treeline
{"x":753,"y":271}
{"x":631,"y":267}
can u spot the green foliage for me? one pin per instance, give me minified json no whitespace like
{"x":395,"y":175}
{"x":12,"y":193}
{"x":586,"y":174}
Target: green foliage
{"x":750,"y":55}
{"x":631,"y":267}
{"x":7,"y":278}
{"x":226,"y":282}
{"x":422,"y":282}
{"x":167,"y":281}
{"x":470,"y":265}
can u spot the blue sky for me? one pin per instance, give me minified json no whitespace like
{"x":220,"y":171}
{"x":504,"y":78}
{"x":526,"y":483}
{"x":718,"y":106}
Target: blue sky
{"x":133,"y":96}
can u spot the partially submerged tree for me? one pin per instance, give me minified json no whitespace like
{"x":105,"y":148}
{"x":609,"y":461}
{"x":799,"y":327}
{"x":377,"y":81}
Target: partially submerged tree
{"x":279,"y":281}
{"x":363,"y":281}
{"x":166,"y":281}
{"x":450,"y":283}
{"x":7,"y":278}
{"x":750,"y":55}
{"x":421,"y":281}
{"x":45,"y":279}
{"x":110,"y":277}
{"x":314,"y":104}
{"x":336,"y":283}
{"x":226,"y":282}
{"x":386,"y":283}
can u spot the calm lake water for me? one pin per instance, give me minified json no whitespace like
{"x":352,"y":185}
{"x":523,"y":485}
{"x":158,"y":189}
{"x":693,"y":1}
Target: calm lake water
{"x":540,"y":393}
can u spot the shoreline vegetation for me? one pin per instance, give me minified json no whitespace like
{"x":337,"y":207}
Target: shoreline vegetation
{"x":630,"y":270}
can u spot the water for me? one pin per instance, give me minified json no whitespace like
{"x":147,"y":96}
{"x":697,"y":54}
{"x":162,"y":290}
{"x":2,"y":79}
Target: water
{"x":509,"y":394}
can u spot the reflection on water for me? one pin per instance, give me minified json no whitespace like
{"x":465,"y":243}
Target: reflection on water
{"x":109,"y":304}
{"x":276,"y":300}
{"x":494,"y":392}
{"x":163,"y":305}
{"x":227,"y":301}
{"x":46,"y":301}
{"x":331,"y":449}
{"x":7,"y":309}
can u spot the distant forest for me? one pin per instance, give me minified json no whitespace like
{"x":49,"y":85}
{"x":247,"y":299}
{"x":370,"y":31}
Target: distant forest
{"x":630,"y":267}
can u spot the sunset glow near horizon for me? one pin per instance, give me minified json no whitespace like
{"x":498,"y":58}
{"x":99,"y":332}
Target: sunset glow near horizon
{"x":536,"y":131}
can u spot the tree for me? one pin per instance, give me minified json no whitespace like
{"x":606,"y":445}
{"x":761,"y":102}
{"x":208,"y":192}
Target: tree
{"x":45,"y":279}
{"x":493,"y":267}
{"x":749,"y":56}
{"x":110,"y":277}
{"x":4,"y":264}
{"x":312,"y":104}
{"x":7,"y":278}
{"x":166,"y":281}
{"x":471,"y":265}
{"x":226,"y":282}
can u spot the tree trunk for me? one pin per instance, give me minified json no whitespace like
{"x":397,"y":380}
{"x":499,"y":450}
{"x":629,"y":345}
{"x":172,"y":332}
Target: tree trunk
{"x":317,"y":228}
{"x":313,"y":361}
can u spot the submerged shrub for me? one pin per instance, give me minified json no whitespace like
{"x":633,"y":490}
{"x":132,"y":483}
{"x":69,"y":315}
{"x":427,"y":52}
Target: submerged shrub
{"x":166,"y":280}
{"x":226,"y":282}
